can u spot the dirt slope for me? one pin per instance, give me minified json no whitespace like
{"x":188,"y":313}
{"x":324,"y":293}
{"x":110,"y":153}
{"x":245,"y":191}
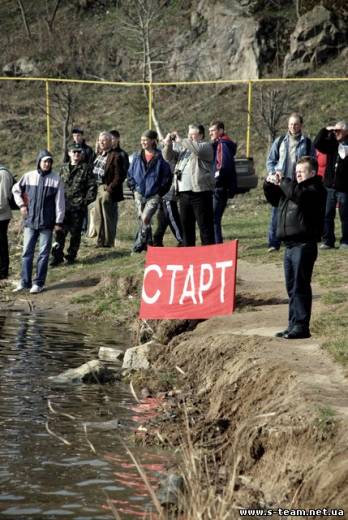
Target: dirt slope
{"x":275,"y":409}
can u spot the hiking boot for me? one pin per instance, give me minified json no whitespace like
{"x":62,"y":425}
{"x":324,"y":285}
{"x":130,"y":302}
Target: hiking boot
{"x":69,"y":260}
{"x":297,"y":334}
{"x":36,"y":289}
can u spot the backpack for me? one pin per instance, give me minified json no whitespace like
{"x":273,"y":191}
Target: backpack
{"x":308,"y":144}
{"x":11,"y":199}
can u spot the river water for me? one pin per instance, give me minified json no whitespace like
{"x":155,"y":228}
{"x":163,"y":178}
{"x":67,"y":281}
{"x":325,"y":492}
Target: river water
{"x":43,"y":476}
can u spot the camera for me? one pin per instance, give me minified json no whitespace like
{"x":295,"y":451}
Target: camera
{"x":178,"y":174}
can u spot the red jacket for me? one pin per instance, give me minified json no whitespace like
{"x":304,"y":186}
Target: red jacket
{"x":322,"y":162}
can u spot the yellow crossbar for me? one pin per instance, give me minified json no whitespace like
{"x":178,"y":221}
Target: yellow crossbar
{"x":150,"y":86}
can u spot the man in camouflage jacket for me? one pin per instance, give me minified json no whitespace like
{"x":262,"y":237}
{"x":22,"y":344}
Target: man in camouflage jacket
{"x":80,"y":190}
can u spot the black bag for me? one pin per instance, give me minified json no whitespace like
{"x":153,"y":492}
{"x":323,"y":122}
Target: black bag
{"x":11,"y":200}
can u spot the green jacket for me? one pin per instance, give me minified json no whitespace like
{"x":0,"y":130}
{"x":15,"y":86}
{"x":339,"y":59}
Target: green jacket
{"x":80,"y":187}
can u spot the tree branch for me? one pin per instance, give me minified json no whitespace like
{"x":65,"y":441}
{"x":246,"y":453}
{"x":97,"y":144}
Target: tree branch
{"x":24,"y":18}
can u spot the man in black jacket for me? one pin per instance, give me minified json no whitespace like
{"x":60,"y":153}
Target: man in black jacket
{"x":224,"y":173}
{"x":115,"y":145}
{"x":301,"y":209}
{"x":88,"y":154}
{"x":333,"y":141}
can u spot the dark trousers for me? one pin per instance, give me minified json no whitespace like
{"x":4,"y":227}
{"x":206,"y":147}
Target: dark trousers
{"x":72,"y":224}
{"x":167,"y":215}
{"x":219,"y":204}
{"x":197,"y":207}
{"x":273,"y":241}
{"x":332,"y":199}
{"x":299,"y":260}
{"x":4,"y":257}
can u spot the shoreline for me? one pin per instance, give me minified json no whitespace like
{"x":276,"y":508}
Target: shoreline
{"x":271,"y":414}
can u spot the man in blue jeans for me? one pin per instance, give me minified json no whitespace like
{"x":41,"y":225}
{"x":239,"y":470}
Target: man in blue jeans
{"x":40,"y":197}
{"x":285,"y":151}
{"x":333,"y":141}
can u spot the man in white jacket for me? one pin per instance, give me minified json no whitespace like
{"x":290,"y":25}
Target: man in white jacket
{"x":40,"y":197}
{"x":6,"y":181}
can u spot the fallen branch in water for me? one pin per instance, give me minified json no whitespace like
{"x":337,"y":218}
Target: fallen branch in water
{"x":61,"y":439}
{"x":87,"y":439}
{"x":50,"y":407}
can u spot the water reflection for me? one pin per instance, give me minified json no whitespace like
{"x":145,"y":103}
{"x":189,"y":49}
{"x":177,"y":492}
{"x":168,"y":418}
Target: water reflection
{"x":40,"y":476}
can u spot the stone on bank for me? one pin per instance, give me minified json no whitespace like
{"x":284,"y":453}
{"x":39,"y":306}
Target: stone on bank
{"x":138,"y":358}
{"x":110,"y":354}
{"x":93,"y":371}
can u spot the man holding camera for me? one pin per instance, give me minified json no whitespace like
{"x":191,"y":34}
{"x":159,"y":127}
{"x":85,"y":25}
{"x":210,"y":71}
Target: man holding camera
{"x":333,"y":141}
{"x":300,"y":216}
{"x":194,"y":180}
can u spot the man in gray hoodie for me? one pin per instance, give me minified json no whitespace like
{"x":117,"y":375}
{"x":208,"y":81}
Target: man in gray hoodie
{"x":40,"y":197}
{"x":6,"y":181}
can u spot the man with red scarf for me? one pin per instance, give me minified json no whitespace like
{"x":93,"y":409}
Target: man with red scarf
{"x":224,"y":172}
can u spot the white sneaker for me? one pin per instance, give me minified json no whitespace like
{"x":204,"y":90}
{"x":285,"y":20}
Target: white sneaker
{"x":36,"y":289}
{"x":20,"y":287}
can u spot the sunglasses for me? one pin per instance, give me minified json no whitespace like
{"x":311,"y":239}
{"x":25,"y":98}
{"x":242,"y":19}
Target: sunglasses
{"x":76,"y":151}
{"x":337,"y":130}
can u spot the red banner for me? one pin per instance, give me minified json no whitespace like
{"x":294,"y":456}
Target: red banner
{"x":189,"y":282}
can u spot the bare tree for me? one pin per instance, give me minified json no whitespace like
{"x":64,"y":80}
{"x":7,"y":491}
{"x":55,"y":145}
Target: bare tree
{"x":51,"y":17}
{"x":270,"y":106}
{"x":63,"y":105}
{"x":298,"y":8}
{"x":140,"y":21}
{"x":24,"y":18}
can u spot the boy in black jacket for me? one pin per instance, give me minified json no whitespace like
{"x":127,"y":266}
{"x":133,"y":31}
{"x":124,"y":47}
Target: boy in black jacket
{"x":301,"y":210}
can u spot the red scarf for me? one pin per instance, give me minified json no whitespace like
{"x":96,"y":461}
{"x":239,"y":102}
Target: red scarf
{"x":218,"y":159}
{"x":148,"y":155}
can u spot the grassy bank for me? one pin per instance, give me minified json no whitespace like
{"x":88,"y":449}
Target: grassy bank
{"x":233,"y":404}
{"x":106,"y":284}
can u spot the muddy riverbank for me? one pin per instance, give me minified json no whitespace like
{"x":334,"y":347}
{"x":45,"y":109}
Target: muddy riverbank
{"x":265,"y":418}
{"x":270,"y":413}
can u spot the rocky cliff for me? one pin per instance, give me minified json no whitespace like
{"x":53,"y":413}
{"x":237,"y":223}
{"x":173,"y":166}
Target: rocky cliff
{"x":187,"y":40}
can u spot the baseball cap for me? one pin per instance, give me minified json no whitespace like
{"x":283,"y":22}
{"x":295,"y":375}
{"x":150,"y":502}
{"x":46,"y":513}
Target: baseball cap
{"x":75,"y":148}
{"x":77,"y":130}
